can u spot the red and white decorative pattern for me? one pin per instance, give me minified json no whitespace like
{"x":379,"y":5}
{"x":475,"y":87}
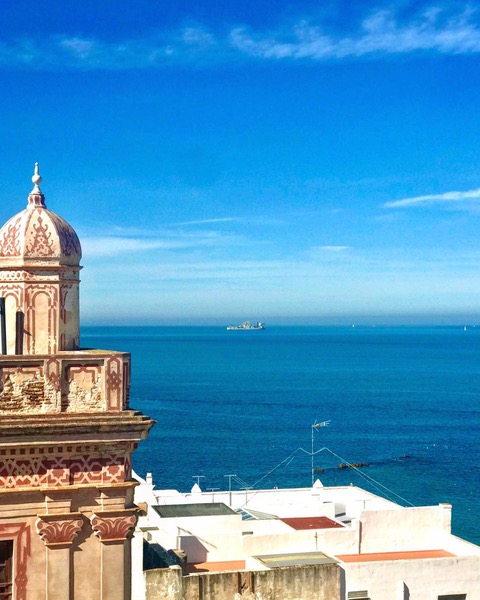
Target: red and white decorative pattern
{"x":58,"y":530}
{"x":39,"y":233}
{"x":53,"y":372}
{"x":9,"y":242}
{"x":69,"y":242}
{"x":14,"y":291}
{"x":38,"y":299}
{"x":20,"y":534}
{"x":39,"y":241}
{"x":114,"y":383}
{"x":115,"y":528}
{"x":23,"y":470}
{"x":23,"y":276}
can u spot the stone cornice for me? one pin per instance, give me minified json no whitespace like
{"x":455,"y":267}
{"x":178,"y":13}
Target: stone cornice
{"x":44,"y":490}
{"x":121,"y":426}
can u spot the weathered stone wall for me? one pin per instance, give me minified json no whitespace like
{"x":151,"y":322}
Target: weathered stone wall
{"x":306,"y":582}
{"x":26,"y":391}
{"x":77,"y":382}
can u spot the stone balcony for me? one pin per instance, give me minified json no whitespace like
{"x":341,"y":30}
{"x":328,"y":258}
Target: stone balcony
{"x":85,"y":381}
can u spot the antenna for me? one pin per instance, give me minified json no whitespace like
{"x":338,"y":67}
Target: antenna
{"x":213,"y":490}
{"x":230,"y":475}
{"x":314,"y":427}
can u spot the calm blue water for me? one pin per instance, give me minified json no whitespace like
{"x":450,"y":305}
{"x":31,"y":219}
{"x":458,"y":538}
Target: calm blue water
{"x":242,"y":402}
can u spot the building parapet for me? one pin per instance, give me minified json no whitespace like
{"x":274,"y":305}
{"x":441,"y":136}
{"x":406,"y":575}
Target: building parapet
{"x":83,"y":381}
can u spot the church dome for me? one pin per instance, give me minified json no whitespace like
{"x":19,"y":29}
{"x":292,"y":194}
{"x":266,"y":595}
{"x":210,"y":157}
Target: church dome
{"x":37,"y":236}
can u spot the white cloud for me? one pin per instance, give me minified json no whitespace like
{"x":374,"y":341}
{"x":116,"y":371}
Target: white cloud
{"x":381,"y":33}
{"x":126,"y":241}
{"x":209,"y":221}
{"x":197,"y":37}
{"x":334,"y":248}
{"x":81,"y":52}
{"x":434,"y":198}
{"x":114,"y":246}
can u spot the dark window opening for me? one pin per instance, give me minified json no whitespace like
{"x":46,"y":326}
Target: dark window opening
{"x":453,"y":597}
{"x":6,"y":570}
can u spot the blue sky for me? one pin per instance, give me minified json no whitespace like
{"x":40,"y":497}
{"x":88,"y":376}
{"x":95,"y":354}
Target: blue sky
{"x":277,"y":161}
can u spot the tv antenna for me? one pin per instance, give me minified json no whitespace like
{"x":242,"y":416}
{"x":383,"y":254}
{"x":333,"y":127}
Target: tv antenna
{"x":316,"y":426}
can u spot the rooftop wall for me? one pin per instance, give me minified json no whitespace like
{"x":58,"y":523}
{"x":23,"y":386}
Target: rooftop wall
{"x":312,"y":582}
{"x":416,"y":528}
{"x":208,"y":538}
{"x":330,"y":541}
{"x":424,"y":579}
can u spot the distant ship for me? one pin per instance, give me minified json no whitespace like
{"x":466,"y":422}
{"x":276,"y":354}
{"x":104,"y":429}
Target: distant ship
{"x":246,"y":326}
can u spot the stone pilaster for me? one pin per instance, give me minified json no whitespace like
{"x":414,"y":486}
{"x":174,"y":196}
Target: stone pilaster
{"x":57,"y":532}
{"x":114,"y":530}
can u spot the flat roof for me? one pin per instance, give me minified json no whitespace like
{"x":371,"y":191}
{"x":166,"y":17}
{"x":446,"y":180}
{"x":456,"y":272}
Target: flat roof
{"x":295,"y":559}
{"x":229,"y":565}
{"x":206,"y":509}
{"x":300,"y":523}
{"x":405,"y":555}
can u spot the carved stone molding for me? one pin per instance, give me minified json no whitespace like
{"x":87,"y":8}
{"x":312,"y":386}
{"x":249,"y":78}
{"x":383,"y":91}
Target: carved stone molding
{"x":58,"y":530}
{"x":114,"y":526}
{"x":20,"y":534}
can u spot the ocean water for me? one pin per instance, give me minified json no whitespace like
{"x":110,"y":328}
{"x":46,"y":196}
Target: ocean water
{"x":405,"y":400}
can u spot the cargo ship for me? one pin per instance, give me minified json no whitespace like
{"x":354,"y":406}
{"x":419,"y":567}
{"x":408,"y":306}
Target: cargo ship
{"x":246,"y":326}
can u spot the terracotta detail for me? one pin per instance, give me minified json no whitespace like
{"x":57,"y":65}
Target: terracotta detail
{"x":22,"y":276}
{"x":41,"y":243}
{"x":63,"y":300}
{"x":63,"y":383}
{"x":114,"y":384}
{"x":69,"y":242}
{"x":128,"y":467}
{"x":10,"y":245}
{"x":36,"y":471}
{"x":53,"y":373}
{"x":16,"y":291}
{"x":58,"y":530}
{"x":48,"y":322}
{"x":20,"y":534}
{"x":113,"y":528}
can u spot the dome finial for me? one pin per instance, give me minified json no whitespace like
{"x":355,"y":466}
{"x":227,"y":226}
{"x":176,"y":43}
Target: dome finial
{"x":36,"y":197}
{"x":36,"y":179}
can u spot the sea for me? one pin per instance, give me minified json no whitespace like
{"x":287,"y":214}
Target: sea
{"x":403,"y":400}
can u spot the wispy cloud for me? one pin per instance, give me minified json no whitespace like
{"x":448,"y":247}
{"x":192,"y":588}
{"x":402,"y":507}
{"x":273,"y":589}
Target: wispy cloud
{"x":333,"y":248}
{"x":382,"y":32}
{"x":98,"y":246}
{"x":209,"y":221}
{"x":379,"y":33}
{"x":434,"y":199}
{"x":89,"y":53}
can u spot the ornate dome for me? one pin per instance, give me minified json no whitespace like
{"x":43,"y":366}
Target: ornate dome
{"x":37,"y":236}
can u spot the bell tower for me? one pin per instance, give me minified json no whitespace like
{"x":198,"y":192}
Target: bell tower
{"x":39,"y":277}
{"x":67,"y":432}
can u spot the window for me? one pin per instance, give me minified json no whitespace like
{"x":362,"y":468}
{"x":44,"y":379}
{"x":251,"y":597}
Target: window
{"x":453,"y":597}
{"x":362,"y":595}
{"x":6,"y":570}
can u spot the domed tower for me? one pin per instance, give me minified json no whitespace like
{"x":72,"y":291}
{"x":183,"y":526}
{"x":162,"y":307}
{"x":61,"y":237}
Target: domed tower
{"x":67,"y":433}
{"x":39,"y":278}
